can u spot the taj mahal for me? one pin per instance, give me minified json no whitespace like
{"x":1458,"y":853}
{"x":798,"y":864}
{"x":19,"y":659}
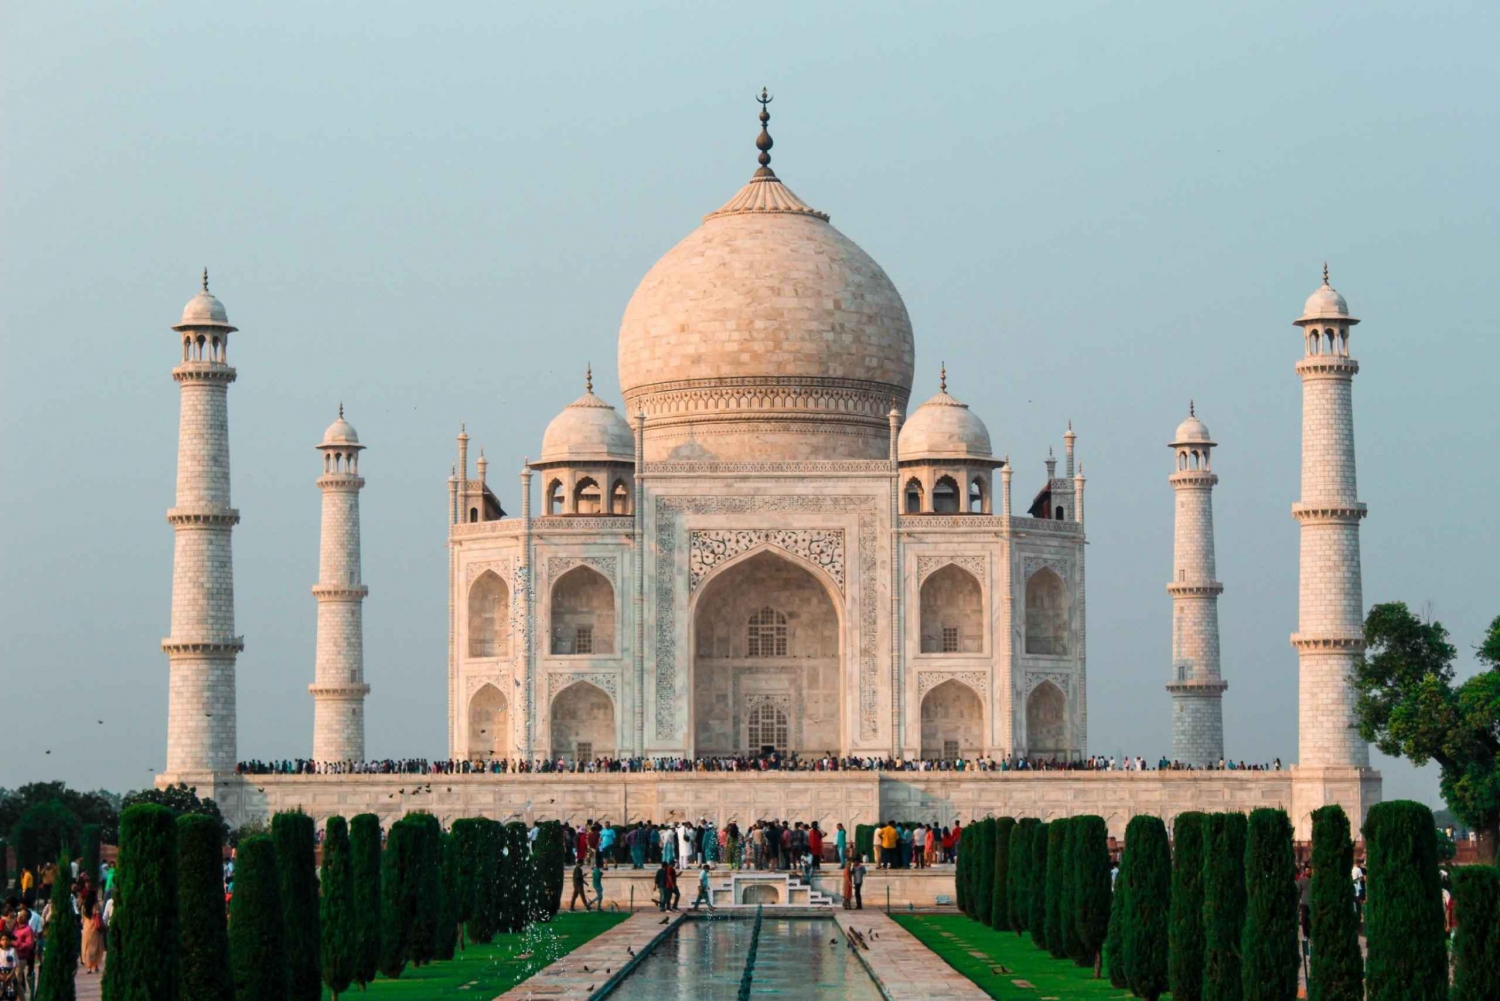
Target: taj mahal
{"x":766,"y":543}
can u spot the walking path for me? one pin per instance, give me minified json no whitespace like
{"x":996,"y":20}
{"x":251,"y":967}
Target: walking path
{"x":587,"y":970}
{"x":905,"y":969}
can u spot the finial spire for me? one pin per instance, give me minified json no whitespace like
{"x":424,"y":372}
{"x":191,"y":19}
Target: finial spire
{"x":588,"y":377}
{"x":205,"y":279}
{"x":341,"y":410}
{"x":763,"y":141}
{"x":1192,"y":409}
{"x":1325,"y":272}
{"x":943,"y":378}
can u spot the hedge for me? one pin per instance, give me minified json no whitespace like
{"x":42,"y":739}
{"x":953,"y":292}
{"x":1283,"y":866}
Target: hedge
{"x":1145,"y":929}
{"x":1072,"y":944}
{"x":547,"y":852}
{"x":1476,"y":947}
{"x":1408,"y":958}
{"x":983,"y":883}
{"x":1185,"y":938}
{"x":143,"y":934}
{"x":1114,"y":939}
{"x":1037,"y":913}
{"x":1268,"y":945}
{"x":1223,"y":905}
{"x":60,"y":958}
{"x":89,"y":854}
{"x":203,"y":955}
{"x":864,"y":841}
{"x":1018,"y":873}
{"x":1337,"y":968}
{"x":257,"y":934}
{"x":1057,"y":834}
{"x":295,"y":836}
{"x":398,"y":897}
{"x":427,"y":850}
{"x":1000,"y":879}
{"x":1092,"y":890}
{"x":364,"y":864}
{"x":337,"y":922}
{"x":448,"y":919}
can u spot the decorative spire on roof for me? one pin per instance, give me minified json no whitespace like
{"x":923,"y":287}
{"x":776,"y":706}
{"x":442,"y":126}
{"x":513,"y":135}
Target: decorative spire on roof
{"x":1325,"y":272}
{"x":763,"y":141}
{"x":588,"y":377}
{"x":1192,"y":409}
{"x":205,"y":279}
{"x":943,"y":378}
{"x":341,"y":410}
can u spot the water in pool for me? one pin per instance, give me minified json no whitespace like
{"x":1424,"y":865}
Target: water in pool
{"x":705,"y":960}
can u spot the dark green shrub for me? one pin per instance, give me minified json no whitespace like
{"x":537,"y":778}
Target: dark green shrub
{"x":336,"y":918}
{"x":547,"y":852}
{"x":398,"y":897}
{"x":143,"y":935}
{"x":521,"y":883}
{"x":427,"y":850}
{"x":864,"y":841}
{"x":1269,"y":952}
{"x":1114,"y":939}
{"x":983,"y":883}
{"x":1072,"y":942}
{"x":1037,"y":914}
{"x":448,"y":920}
{"x":60,"y":958}
{"x":257,"y":926}
{"x":1000,"y":879}
{"x":1476,"y":947}
{"x":1145,"y":930}
{"x":1018,"y":874}
{"x":44,"y":831}
{"x":1057,"y":836}
{"x":482,"y":864}
{"x":1408,"y":959}
{"x":1223,"y":905}
{"x":4,"y":866}
{"x":1091,"y":891}
{"x":90,"y":853}
{"x":203,"y":956}
{"x":364,"y":858}
{"x":1337,"y":969}
{"x":962,"y":870}
{"x":295,"y":836}
{"x":1185,"y":939}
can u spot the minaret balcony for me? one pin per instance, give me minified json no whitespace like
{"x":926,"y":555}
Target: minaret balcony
{"x":204,"y":371}
{"x":1328,"y":366}
{"x":203,"y":517}
{"x":1199,"y":478}
{"x":358,"y":690}
{"x":340,"y":592}
{"x":1323,"y":512}
{"x":1201,"y":589}
{"x":203,"y":647}
{"x":1203,"y":689}
{"x":341,"y":481}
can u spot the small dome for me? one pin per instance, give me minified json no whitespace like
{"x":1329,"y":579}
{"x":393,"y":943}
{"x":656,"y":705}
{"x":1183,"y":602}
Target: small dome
{"x":944,"y":428}
{"x":340,"y":432}
{"x":203,"y":310}
{"x":1192,"y":431}
{"x":588,"y":430}
{"x":1325,"y":304}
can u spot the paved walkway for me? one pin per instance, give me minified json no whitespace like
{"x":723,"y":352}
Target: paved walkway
{"x":905,"y":969}
{"x":607,"y":956}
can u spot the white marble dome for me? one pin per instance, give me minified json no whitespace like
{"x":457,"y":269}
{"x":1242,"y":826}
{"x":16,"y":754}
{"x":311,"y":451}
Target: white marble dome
{"x":1325,"y":304}
{"x":1192,"y":430}
{"x":203,"y":310}
{"x":944,"y":428}
{"x":340,"y":432}
{"x":588,"y":430}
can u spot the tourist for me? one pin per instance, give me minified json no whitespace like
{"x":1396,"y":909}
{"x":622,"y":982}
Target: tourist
{"x":685,"y":848}
{"x":668,"y":844}
{"x":28,"y":887}
{"x":729,"y":840}
{"x":889,"y":846}
{"x":815,"y":845}
{"x":635,"y":843}
{"x":673,"y":890}
{"x":930,"y":849}
{"x":841,"y":845}
{"x":91,"y":952}
{"x":578,"y":888}
{"x":26,"y":929}
{"x":663,"y":893}
{"x":758,"y":845}
{"x":599,"y":884}
{"x":704,"y":896}
{"x":857,"y":880}
{"x":606,"y":846}
{"x":10,"y":973}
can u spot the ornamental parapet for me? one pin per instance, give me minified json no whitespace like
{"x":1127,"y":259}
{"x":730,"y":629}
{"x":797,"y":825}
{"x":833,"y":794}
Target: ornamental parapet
{"x":1328,"y":367}
{"x":1211,"y":589}
{"x":339,"y":592}
{"x":204,"y":371}
{"x":1313,"y":512}
{"x":1204,"y":689}
{"x":203,"y":648}
{"x":204,"y":517}
{"x":346,"y":691}
{"x":478,"y":529}
{"x":1189,"y":478}
{"x":624,"y":524}
{"x":843,"y":467}
{"x":990,"y":523}
{"x":345,"y":481}
{"x":1303,"y":643}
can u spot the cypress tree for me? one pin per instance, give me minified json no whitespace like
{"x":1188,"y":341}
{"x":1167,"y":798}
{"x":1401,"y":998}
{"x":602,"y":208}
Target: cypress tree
{"x":963,"y":870}
{"x":548,"y":849}
{"x":60,"y":958}
{"x":1185,"y":940}
{"x":1268,"y":945}
{"x":1018,"y":873}
{"x":1114,"y":939}
{"x":1091,"y":893}
{"x":1071,"y":852}
{"x":397,"y":898}
{"x":4,"y":865}
{"x":1037,"y":915}
{"x":336,"y":918}
{"x":428,"y":891}
{"x":521,"y":883}
{"x":1223,"y":905}
{"x":1337,"y":970}
{"x":981,"y":886}
{"x":143,"y":934}
{"x":90,"y":854}
{"x":1145,"y":929}
{"x":295,"y":836}
{"x":364,"y":859}
{"x":1408,"y":958}
{"x":1052,"y":903}
{"x":465,"y":835}
{"x":257,"y":926}
{"x":1000,"y":880}
{"x":203,"y":955}
{"x":482,"y":865}
{"x":1476,"y":947}
{"x":448,"y":919}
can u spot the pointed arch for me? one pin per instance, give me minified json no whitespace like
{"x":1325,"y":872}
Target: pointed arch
{"x":945,"y":496}
{"x":587,"y":498}
{"x":489,"y":723}
{"x":619,"y":498}
{"x":582,"y":722}
{"x":952,"y":722}
{"x":1047,"y":721}
{"x":582,"y":613}
{"x":951,"y":610}
{"x":489,"y":616}
{"x":1046,"y":613}
{"x":914,"y":496}
{"x":554,"y":499}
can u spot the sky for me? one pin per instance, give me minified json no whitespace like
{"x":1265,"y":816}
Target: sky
{"x":436,"y":213}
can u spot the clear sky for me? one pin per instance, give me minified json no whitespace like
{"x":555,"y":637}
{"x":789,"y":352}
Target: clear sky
{"x":437,"y":212}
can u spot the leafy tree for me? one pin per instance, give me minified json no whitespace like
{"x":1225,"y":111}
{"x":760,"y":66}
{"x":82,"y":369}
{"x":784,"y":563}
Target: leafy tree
{"x":960,"y":870}
{"x":1337,"y":968}
{"x":548,"y":853}
{"x":448,"y":919}
{"x":257,"y":934}
{"x":180,"y":799}
{"x":429,"y":887}
{"x":60,"y":958}
{"x":1091,"y":888}
{"x":519,"y":881}
{"x":1036,"y":919}
{"x":4,"y":865}
{"x":398,"y":897}
{"x":1119,"y":914}
{"x":364,"y":852}
{"x":1000,"y":879}
{"x":1145,"y":928}
{"x":143,"y":935}
{"x":90,"y":852}
{"x":102,"y":808}
{"x":337,"y":922}
{"x":1476,"y":947}
{"x":1408,"y":958}
{"x":981,"y":885}
{"x":1057,"y":836}
{"x":1268,"y":944}
{"x":295,"y":836}
{"x":1185,"y":937}
{"x":1410,"y":706}
{"x":1018,"y":873}
{"x":482,"y":869}
{"x":203,"y":955}
{"x":45,"y":830}
{"x":1223,"y":905}
{"x":1072,"y":944}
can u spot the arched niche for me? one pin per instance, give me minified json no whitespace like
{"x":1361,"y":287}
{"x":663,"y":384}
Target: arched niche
{"x":1047,"y":722}
{"x":489,"y":724}
{"x":952,"y":722}
{"x":1046,"y":614}
{"x":766,"y":632}
{"x":489,"y":616}
{"x":952,"y":612}
{"x":583,"y":613}
{"x":582,"y":723}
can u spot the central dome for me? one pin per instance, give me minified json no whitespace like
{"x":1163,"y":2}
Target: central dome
{"x":766,"y":334}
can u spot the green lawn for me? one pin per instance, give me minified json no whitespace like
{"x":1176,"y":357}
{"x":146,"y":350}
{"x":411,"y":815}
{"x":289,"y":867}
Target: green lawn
{"x":484,"y":971}
{"x":954,"y":937}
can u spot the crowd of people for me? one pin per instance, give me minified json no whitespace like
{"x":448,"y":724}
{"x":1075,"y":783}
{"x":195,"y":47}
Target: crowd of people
{"x":27,"y":919}
{"x":730,"y":763}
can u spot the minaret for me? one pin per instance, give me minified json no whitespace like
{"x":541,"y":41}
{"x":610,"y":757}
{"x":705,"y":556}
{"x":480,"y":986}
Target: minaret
{"x":1330,"y":611}
{"x":1196,"y":687}
{"x":339,"y":689}
{"x":202,"y":648}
